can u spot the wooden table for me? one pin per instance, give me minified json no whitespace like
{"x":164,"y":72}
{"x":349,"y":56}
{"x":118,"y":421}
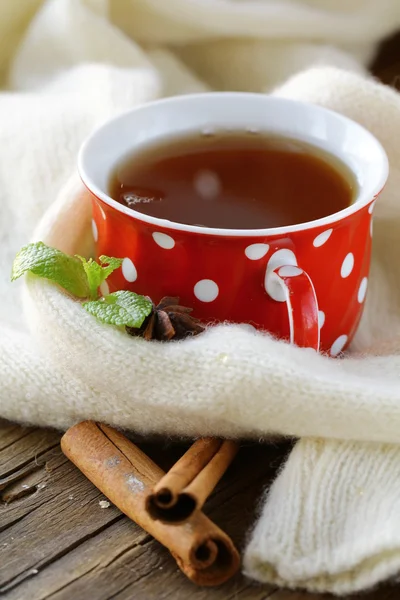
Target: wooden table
{"x":56,"y":542}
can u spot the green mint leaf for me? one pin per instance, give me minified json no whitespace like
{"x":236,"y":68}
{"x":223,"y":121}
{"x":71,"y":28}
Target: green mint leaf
{"x":94,"y":276}
{"x":121,"y":308}
{"x":50,"y":263}
{"x":113,"y":263}
{"x":96,"y":273}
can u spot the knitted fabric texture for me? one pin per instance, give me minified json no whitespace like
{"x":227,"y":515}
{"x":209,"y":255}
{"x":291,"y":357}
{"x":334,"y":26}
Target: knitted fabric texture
{"x":68,"y":65}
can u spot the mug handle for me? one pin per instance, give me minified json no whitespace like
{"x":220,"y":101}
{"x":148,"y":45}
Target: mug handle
{"x":293,"y":285}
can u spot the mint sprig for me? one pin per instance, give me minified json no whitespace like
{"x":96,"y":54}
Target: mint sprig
{"x":121,"y":308}
{"x":50,"y":263}
{"x":82,"y":278}
{"x":96,"y":273}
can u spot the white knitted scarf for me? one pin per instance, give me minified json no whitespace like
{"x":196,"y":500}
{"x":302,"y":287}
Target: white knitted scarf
{"x":331,"y":521}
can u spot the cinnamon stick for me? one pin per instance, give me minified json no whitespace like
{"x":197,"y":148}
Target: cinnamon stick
{"x":186,"y":487}
{"x":127,"y":476}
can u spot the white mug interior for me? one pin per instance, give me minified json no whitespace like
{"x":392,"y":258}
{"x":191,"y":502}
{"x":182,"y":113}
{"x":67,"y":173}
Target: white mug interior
{"x":216,"y":112}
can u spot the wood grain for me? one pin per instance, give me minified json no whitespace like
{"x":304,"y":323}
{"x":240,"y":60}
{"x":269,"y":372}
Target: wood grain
{"x":57,"y":543}
{"x":56,"y":527}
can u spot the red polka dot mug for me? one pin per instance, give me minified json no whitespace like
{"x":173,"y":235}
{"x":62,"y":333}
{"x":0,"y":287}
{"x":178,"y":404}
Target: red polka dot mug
{"x":305,"y":283}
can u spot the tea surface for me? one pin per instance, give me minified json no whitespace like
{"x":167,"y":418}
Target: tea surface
{"x":237,"y":180}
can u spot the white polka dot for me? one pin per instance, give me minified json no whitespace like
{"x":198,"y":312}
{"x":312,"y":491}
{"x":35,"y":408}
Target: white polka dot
{"x":273,"y":285}
{"x":322,"y":238}
{"x":321,"y":319}
{"x":95,"y":231}
{"x":290,"y":271}
{"x":281,"y":258}
{"x":362,"y":290}
{"x":207,"y":184}
{"x":129,"y":270}
{"x":338,"y":345}
{"x":206,"y":290}
{"x":347,"y":265}
{"x":104,"y":289}
{"x":371,"y":207}
{"x":256,"y":251}
{"x":163,"y":240}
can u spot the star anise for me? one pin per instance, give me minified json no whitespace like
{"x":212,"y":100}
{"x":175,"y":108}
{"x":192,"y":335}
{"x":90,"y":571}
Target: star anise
{"x":169,"y":320}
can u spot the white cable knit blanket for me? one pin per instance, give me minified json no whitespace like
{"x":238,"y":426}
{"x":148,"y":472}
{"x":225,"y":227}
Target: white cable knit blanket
{"x":331,"y":521}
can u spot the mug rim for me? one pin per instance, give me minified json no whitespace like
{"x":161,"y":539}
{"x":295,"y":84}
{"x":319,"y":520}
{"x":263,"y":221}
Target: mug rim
{"x":338,"y":216}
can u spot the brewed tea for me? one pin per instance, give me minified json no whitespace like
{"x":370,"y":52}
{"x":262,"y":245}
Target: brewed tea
{"x":236,"y":180}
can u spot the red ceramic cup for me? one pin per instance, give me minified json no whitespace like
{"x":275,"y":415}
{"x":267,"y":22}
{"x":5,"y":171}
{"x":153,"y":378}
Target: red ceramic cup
{"x":305,"y":282}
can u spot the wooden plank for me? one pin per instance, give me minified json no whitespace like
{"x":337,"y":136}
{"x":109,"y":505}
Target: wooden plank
{"x":121,"y":565}
{"x":58,"y":543}
{"x":121,"y":560}
{"x":44,"y":525}
{"x":21,"y":449}
{"x":61,"y":569}
{"x":11,"y":433}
